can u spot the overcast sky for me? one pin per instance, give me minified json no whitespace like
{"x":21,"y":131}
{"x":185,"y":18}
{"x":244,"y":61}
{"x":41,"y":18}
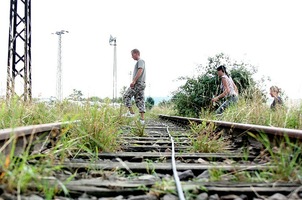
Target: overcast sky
{"x":172,"y":35}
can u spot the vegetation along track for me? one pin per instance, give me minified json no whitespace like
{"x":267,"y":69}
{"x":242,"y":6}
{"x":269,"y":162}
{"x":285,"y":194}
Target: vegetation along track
{"x":213,"y":160}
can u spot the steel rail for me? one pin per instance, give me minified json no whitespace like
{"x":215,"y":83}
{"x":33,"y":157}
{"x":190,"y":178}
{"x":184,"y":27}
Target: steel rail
{"x":32,"y":129}
{"x":292,"y":133}
{"x":176,"y":177}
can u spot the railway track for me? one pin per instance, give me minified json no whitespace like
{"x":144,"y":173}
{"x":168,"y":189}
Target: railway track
{"x":161,"y":163}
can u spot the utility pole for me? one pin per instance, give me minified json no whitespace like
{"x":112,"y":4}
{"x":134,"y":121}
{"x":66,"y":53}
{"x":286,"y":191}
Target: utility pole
{"x":112,"y":42}
{"x":19,"y":51}
{"x":59,"y":85}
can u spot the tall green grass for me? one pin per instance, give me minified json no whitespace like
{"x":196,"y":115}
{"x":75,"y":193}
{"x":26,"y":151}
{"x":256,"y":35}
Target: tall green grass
{"x":166,"y":109}
{"x":96,"y":129}
{"x":205,"y":138}
{"x":18,"y":113}
{"x":286,"y":157}
{"x":255,"y":111}
{"x":19,"y":175}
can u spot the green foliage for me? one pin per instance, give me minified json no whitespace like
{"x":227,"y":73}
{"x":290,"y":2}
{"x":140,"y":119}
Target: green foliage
{"x":18,"y":113}
{"x":149,"y":103}
{"x":194,"y":95}
{"x":138,"y":129}
{"x":94,"y":99}
{"x":286,"y":156}
{"x":29,"y":174}
{"x":98,"y":129}
{"x":294,"y":118}
{"x":206,"y":139}
{"x":165,"y":103}
{"x":255,"y":111}
{"x":164,"y":186}
{"x":216,"y":174}
{"x":164,"y":107}
{"x":76,"y":95}
{"x":197,"y":92}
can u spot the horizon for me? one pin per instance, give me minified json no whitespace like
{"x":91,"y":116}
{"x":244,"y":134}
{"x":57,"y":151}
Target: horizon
{"x":157,"y":99}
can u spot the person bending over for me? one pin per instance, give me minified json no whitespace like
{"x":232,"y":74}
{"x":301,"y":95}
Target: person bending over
{"x":230,"y":90}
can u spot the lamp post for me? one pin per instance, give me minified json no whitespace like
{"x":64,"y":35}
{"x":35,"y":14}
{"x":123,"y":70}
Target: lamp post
{"x":112,"y":42}
{"x":59,"y":92}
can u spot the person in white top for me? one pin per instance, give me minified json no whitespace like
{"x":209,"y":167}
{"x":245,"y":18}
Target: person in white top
{"x":230,"y":90}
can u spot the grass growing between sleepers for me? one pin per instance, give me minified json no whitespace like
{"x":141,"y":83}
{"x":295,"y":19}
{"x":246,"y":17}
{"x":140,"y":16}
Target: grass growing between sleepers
{"x":95,"y":129}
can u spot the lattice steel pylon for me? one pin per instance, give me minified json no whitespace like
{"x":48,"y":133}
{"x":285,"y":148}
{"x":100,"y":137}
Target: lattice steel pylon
{"x":19,"y":51}
{"x":59,"y":91}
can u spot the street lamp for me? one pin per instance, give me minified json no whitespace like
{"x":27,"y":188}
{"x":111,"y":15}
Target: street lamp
{"x":112,"y":42}
{"x":59,"y":92}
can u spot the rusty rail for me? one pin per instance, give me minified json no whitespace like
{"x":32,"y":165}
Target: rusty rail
{"x":292,"y":133}
{"x":32,"y":129}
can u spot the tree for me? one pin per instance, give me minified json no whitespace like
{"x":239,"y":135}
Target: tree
{"x":197,"y":92}
{"x":95,"y":99}
{"x":76,"y":95}
{"x":165,"y":103}
{"x":149,"y":103}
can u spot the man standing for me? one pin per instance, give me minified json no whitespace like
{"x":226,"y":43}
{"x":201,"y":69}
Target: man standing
{"x":137,"y":87}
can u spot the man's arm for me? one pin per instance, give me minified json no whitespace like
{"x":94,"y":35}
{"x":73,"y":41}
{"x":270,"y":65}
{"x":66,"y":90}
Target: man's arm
{"x":138,"y":74}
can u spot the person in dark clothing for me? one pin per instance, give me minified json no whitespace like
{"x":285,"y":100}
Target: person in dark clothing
{"x":274,"y":92}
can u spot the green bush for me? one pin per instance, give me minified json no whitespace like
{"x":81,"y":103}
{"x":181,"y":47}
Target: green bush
{"x":149,"y":103}
{"x":196,"y":94}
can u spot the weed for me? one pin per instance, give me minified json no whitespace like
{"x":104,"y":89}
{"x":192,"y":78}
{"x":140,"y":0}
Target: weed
{"x":286,"y":158}
{"x":143,"y":188}
{"x":17,"y":113}
{"x":138,"y":129}
{"x":160,"y":109}
{"x":216,"y":174}
{"x":163,"y":187}
{"x":150,"y":167}
{"x":97,"y":131}
{"x":28,"y":174}
{"x":246,"y":153}
{"x":256,"y":111}
{"x":206,"y":140}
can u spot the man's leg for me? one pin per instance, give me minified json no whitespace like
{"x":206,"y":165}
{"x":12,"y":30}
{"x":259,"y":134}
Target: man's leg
{"x":142,"y":115}
{"x":127,"y":99}
{"x":140,"y":100}
{"x":131,"y":110}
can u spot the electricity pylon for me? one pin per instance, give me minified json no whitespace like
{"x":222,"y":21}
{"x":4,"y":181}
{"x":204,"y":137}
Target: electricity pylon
{"x":19,"y":51}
